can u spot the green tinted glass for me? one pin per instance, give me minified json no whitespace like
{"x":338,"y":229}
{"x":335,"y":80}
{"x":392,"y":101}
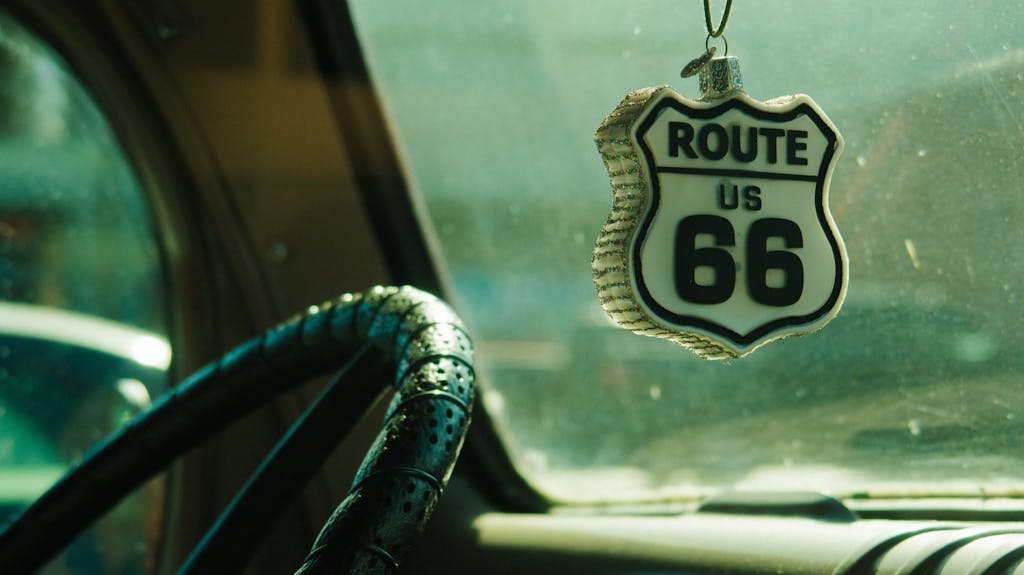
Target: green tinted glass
{"x":914,"y":388}
{"x":83,"y":342}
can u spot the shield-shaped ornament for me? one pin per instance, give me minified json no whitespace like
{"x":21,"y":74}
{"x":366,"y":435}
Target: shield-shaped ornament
{"x":720,"y":236}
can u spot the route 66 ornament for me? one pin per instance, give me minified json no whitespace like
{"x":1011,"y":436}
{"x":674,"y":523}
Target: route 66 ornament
{"x":720,"y":236}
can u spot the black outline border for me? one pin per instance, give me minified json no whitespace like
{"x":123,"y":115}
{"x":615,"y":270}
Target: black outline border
{"x":670,"y":101}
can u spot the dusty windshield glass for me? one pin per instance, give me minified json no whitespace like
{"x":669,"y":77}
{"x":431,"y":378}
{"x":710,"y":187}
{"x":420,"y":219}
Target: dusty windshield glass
{"x":915,"y":388}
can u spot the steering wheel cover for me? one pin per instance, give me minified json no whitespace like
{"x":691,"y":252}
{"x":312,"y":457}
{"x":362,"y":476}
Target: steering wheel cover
{"x":399,"y":482}
{"x":411,"y":460}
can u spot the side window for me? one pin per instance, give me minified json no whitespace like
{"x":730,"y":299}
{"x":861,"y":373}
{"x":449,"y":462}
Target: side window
{"x":83,"y":341}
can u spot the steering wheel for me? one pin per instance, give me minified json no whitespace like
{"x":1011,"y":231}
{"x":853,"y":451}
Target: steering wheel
{"x":395,"y":489}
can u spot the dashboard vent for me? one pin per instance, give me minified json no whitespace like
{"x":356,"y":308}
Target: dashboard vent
{"x":945,"y":551}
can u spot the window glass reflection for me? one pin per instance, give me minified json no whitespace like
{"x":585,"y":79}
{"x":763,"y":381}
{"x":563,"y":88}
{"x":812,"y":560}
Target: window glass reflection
{"x":83,"y":343}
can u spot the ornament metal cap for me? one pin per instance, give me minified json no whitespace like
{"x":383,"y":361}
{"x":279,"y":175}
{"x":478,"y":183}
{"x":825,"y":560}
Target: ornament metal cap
{"x":720,"y":78}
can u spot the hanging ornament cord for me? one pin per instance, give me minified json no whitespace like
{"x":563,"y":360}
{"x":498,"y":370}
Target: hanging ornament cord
{"x":714,"y":32}
{"x":694,"y":66}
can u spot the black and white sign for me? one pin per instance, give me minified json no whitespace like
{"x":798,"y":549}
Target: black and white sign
{"x":730,"y":241}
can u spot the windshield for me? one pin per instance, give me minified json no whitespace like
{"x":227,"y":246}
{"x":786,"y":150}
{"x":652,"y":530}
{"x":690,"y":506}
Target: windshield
{"x":914,"y":389}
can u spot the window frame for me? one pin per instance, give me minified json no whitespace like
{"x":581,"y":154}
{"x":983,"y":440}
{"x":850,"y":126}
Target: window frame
{"x":397,"y":211}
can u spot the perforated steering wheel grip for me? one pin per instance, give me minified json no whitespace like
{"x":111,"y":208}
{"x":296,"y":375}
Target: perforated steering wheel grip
{"x":401,"y":477}
{"x":412,"y":458}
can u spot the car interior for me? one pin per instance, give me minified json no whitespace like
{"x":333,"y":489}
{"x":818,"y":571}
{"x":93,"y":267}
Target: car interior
{"x":305,"y":287}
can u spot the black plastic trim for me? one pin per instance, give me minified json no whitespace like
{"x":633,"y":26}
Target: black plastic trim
{"x":364,"y":130}
{"x":401,"y":235}
{"x":779,"y":504}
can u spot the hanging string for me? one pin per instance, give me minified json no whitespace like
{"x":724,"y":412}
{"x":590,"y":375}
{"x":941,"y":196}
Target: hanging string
{"x":699,"y":62}
{"x":712,"y":31}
